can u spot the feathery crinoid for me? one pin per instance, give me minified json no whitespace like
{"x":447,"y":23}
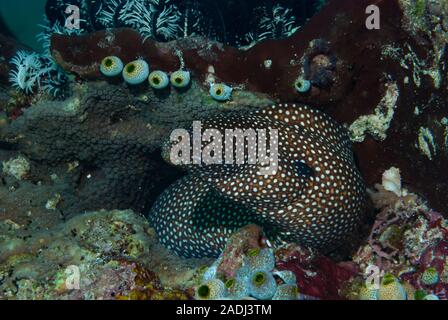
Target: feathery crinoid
{"x":33,"y":72}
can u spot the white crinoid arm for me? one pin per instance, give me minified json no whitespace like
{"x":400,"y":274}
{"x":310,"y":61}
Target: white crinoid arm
{"x":191,"y":24}
{"x":17,"y":78}
{"x":23,"y":73}
{"x":284,"y":21}
{"x":32,"y":72}
{"x":19,"y":58}
{"x":278,"y":22}
{"x":168,"y":22}
{"x":107,"y":12}
{"x":139,"y":15}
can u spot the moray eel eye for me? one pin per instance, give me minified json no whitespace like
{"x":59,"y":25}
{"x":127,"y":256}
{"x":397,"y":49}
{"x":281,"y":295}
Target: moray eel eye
{"x":136,"y":72}
{"x":158,"y":80}
{"x":180,"y":79}
{"x":302,"y":85}
{"x":111,"y":66}
{"x":221,"y":92}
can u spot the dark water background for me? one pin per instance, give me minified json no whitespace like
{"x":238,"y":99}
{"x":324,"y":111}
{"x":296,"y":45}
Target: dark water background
{"x":231,"y":18}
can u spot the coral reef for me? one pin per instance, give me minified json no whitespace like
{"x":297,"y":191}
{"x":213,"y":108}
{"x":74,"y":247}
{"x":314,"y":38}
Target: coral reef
{"x":97,"y":255}
{"x":298,"y":272}
{"x":406,"y":251}
{"x":317,"y":276}
{"x":244,"y":270}
{"x":76,"y":139}
{"x":378,"y":123}
{"x":103,"y":141}
{"x":356,"y":78}
{"x":18,"y":168}
{"x":407,"y":247}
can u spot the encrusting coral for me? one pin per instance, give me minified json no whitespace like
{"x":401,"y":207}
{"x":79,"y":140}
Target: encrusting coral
{"x":103,"y":140}
{"x":407,"y":245}
{"x":97,"y":255}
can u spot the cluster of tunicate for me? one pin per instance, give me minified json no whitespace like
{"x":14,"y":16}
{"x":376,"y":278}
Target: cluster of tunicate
{"x":430,"y":276}
{"x":136,"y":72}
{"x":390,"y":288}
{"x":256,"y":278}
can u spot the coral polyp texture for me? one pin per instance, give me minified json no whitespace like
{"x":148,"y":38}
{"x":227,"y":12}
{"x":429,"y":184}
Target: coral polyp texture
{"x":108,"y":165}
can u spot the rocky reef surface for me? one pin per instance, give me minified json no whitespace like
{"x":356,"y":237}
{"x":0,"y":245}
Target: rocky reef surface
{"x":80,"y":171}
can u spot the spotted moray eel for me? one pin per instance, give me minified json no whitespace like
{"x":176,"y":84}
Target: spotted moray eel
{"x":315,"y":198}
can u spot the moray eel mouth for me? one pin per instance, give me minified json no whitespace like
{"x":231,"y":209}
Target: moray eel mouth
{"x":315,"y":198}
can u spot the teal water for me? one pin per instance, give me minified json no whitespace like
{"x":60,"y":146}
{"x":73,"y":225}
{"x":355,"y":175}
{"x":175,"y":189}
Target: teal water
{"x":22,"y":18}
